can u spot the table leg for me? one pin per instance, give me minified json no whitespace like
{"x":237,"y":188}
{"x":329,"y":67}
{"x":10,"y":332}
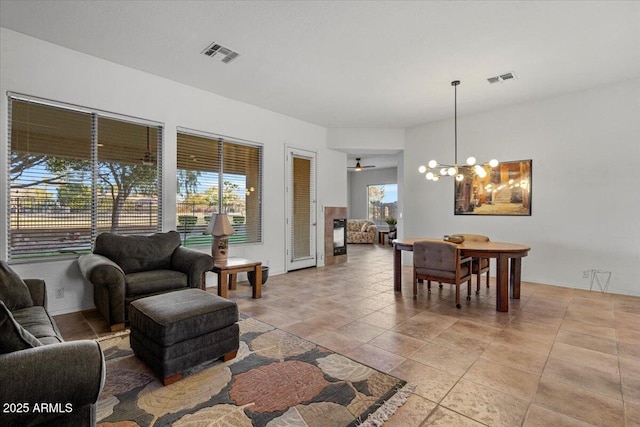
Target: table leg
{"x":516,"y":265}
{"x":257,"y":289}
{"x":223,"y":285}
{"x":397,"y":269}
{"x":502,"y":283}
{"x":233,"y":284}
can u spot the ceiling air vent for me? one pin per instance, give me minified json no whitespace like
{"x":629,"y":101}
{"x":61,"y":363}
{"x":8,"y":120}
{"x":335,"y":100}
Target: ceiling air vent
{"x":502,"y":78}
{"x":226,"y":55}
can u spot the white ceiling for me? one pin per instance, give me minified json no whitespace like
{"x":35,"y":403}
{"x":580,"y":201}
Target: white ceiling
{"x":371,"y":64}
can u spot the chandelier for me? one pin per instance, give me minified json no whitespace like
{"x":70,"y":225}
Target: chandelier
{"x":434,"y":170}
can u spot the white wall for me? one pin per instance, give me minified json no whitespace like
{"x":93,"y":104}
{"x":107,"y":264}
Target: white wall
{"x":367,"y":139}
{"x":586,"y":150}
{"x":37,"y":68}
{"x":358,"y":182}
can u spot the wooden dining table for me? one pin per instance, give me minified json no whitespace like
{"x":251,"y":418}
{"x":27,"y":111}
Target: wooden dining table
{"x":506,"y":276}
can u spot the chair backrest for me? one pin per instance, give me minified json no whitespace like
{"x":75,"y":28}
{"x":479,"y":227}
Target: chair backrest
{"x":435,"y":255}
{"x":474,"y":237}
{"x":139,"y":253}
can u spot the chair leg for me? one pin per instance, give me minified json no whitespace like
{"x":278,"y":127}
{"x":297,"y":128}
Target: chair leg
{"x":469,"y":283}
{"x":478,"y":275}
{"x":415,"y":285}
{"x":429,"y":286}
{"x":487,"y":278}
{"x":458,"y":295}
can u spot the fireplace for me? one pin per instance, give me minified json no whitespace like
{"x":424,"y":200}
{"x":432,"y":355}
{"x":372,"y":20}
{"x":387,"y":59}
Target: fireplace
{"x":339,"y":237}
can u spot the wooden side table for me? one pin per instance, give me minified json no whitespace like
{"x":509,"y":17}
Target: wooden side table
{"x":381,"y":235}
{"x":232,"y":267}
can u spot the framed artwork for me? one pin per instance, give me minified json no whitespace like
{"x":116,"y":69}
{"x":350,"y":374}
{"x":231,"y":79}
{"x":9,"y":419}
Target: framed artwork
{"x":505,"y":190}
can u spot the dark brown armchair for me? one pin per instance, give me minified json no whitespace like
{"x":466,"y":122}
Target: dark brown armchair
{"x":479,"y":265}
{"x":442,"y":262}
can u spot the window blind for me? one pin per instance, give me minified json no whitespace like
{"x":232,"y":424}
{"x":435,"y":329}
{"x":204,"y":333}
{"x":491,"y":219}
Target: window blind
{"x":74,"y":173}
{"x":218,"y":175}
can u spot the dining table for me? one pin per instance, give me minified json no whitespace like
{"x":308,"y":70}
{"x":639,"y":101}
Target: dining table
{"x":508,"y":258}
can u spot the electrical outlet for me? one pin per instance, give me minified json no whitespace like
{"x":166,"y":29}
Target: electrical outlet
{"x":586,"y":274}
{"x":60,"y":293}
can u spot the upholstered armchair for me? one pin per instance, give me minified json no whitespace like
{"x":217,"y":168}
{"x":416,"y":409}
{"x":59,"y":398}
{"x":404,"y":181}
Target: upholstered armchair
{"x":479,"y":265}
{"x":125,"y":268}
{"x":440,"y":261}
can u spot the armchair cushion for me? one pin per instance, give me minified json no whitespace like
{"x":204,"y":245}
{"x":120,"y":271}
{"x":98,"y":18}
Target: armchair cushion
{"x":157,"y":281}
{"x":14,"y":336}
{"x":138,"y":253}
{"x":38,"y":323}
{"x":13,"y":291}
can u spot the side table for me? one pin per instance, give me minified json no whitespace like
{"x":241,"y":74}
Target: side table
{"x":381,"y":235}
{"x":232,"y":267}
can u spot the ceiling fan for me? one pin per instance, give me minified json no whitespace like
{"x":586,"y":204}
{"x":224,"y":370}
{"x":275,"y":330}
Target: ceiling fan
{"x":148,"y":159}
{"x":358,"y":166}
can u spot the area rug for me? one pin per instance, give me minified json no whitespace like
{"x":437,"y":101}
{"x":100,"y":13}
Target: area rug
{"x":276,"y":380}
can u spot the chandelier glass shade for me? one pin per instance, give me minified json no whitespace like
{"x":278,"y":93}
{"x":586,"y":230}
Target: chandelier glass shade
{"x":436,"y":170}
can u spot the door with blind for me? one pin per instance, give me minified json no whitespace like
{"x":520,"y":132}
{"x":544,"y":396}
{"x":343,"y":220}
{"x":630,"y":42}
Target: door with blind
{"x":301,"y":209}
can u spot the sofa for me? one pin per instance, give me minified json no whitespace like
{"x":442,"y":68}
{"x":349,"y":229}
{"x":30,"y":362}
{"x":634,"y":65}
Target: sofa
{"x":361,"y":231}
{"x":43,"y":379}
{"x":125,"y":268}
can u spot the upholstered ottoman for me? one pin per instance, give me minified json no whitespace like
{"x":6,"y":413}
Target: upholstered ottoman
{"x":178,"y":330}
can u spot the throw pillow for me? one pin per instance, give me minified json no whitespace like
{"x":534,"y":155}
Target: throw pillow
{"x":365,"y":226}
{"x":13,"y":291}
{"x":14,"y":337}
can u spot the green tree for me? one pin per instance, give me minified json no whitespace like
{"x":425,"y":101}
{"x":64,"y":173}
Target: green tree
{"x":75,"y":196}
{"x":119,"y":180}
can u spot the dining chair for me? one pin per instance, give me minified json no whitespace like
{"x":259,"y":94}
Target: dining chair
{"x":479,"y":265}
{"x":441,"y":261}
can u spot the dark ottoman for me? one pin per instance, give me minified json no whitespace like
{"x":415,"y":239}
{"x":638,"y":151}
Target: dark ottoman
{"x":178,"y":330}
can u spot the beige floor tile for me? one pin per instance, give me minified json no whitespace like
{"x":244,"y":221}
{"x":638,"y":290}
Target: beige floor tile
{"x":579,"y":403}
{"x":631,"y":389}
{"x":538,"y":416}
{"x":589,"y":329}
{"x":585,"y":357}
{"x":375,"y":357}
{"x":525,"y":341}
{"x":422,"y":328}
{"x":361,"y":331}
{"x":396,"y":343}
{"x":603,"y":345}
{"x":625,"y":320}
{"x":336,"y":342}
{"x":628,"y":336}
{"x":276,"y":319}
{"x":485,"y":405}
{"x":430,"y":383}
{"x":632,"y":414}
{"x":594,"y":380}
{"x":305,"y":330}
{"x":508,"y":380}
{"x":444,"y":358}
{"x":383,"y":320}
{"x":591,"y":315}
{"x":443,"y":417}
{"x":515,"y":357}
{"x":414,"y":411}
{"x":463,"y":343}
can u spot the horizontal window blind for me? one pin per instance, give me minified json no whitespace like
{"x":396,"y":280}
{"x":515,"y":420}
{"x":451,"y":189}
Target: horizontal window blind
{"x":217,"y":175}
{"x":74,"y":174}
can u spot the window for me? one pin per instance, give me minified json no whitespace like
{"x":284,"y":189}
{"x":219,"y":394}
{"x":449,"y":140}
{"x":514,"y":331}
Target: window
{"x":76,"y":172}
{"x":218,"y":175}
{"x":382,"y":202}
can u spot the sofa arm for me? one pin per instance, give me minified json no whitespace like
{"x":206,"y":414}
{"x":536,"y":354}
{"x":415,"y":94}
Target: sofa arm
{"x":192,"y":263}
{"x":65,"y":377}
{"x":101,"y":271}
{"x":38,"y":291}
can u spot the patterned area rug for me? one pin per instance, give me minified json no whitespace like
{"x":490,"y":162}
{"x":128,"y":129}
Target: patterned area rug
{"x":276,"y":380}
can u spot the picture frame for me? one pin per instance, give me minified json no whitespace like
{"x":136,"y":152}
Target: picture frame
{"x":505,"y":190}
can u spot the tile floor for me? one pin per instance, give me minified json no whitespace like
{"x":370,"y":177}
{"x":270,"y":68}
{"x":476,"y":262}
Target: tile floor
{"x":560,"y":357}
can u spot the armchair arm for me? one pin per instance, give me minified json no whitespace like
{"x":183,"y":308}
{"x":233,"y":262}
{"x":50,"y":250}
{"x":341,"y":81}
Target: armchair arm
{"x":38,"y":291}
{"x":192,"y":263}
{"x":101,"y":271}
{"x":69,"y":375}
